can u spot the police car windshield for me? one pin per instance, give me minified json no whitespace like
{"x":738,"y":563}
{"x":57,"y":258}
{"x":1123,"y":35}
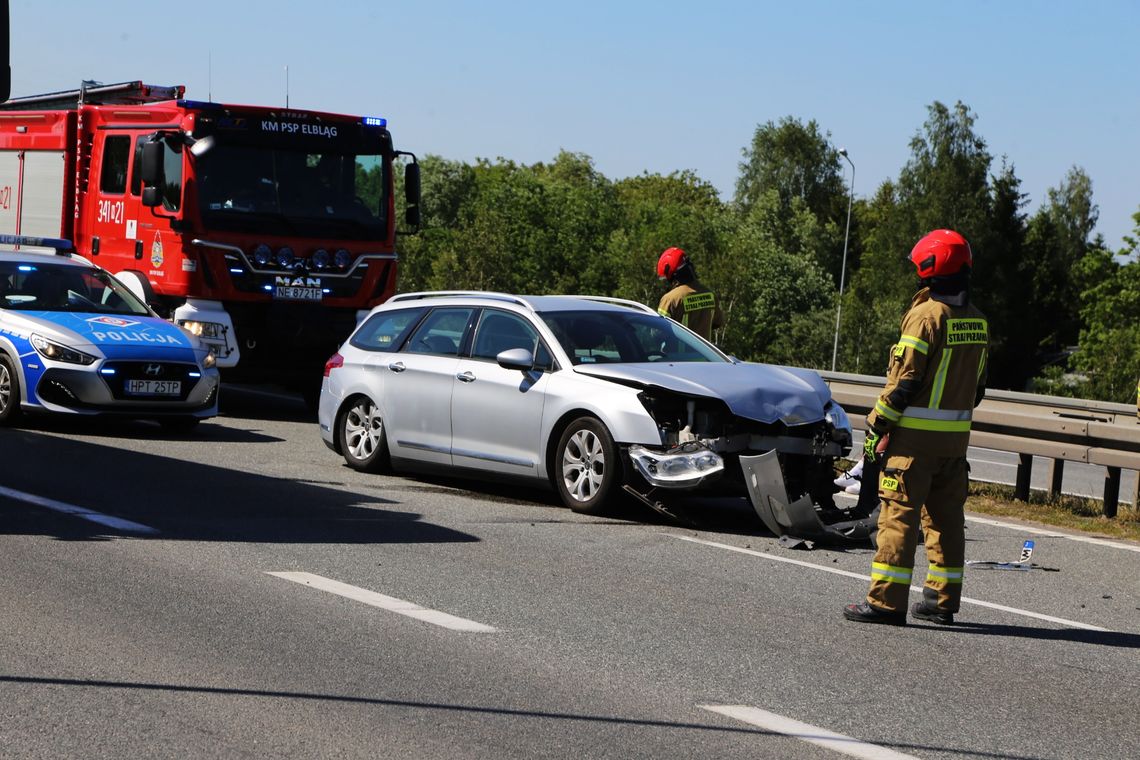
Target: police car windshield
{"x":602,"y":337}
{"x":45,"y":286}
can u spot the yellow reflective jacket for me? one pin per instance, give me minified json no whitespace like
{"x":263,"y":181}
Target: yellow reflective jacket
{"x":693,"y":306}
{"x":937,"y":375}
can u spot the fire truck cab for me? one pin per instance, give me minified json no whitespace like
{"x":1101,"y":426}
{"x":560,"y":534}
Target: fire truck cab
{"x":263,"y":230}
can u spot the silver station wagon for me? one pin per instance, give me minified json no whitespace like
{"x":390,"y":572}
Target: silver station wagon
{"x":595,"y":396}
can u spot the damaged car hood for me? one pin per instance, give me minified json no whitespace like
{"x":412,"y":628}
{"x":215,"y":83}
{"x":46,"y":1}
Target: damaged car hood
{"x":762,"y":392}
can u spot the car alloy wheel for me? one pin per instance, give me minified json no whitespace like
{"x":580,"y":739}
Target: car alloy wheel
{"x":362,"y":439}
{"x":586,"y":465}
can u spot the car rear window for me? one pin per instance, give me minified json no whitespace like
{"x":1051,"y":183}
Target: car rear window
{"x":385,"y":330}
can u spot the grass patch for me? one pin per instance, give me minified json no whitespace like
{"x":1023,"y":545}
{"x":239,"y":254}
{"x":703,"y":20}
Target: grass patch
{"x":1071,"y":512}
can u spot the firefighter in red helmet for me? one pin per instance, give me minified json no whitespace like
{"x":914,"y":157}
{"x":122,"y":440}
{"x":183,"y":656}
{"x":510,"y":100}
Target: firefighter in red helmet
{"x":920,"y":429}
{"x":688,"y":301}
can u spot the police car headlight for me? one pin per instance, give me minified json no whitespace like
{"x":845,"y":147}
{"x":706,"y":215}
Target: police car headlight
{"x":58,"y":352}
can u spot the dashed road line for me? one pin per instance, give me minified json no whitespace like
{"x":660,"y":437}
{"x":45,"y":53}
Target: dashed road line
{"x":390,"y":603}
{"x":806,"y":732}
{"x":110,"y":521}
{"x":862,"y":577}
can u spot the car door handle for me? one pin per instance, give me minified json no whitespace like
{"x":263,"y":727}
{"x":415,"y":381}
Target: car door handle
{"x":467,"y":377}
{"x":397,"y":366}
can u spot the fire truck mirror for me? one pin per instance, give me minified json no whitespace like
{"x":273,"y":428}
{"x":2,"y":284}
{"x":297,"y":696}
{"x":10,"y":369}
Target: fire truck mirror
{"x":152,"y":173}
{"x":412,"y":184}
{"x":412,"y":216}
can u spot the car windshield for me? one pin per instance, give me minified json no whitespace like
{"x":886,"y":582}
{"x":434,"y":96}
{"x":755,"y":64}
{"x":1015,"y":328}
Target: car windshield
{"x":596,"y":337}
{"x":56,"y":287}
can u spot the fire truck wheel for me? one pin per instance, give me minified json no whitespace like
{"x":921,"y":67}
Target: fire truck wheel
{"x":361,"y":436}
{"x":9,"y":391}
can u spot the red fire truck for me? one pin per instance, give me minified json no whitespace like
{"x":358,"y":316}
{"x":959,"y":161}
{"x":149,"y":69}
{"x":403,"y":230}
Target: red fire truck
{"x":263,"y":230}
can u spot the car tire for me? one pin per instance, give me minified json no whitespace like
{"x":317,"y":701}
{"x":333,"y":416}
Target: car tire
{"x":361,"y":436}
{"x":586,"y":466}
{"x":9,"y":391}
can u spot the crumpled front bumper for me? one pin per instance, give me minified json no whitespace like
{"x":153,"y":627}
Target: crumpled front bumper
{"x":799,"y":518}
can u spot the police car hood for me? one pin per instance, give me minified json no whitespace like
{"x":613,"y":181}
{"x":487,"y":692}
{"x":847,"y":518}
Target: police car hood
{"x":762,"y":392}
{"x":115,"y":337}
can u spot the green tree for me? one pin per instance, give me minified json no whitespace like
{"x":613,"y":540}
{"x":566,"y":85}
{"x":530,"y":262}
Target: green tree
{"x":944,"y":184}
{"x":798,"y":163}
{"x":1109,"y":353}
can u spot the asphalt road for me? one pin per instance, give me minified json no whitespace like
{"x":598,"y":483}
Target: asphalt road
{"x":240,"y":593}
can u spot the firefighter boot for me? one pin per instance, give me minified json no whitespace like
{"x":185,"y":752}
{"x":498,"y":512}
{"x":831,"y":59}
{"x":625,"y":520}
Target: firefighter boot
{"x":928,"y":610}
{"x":867,"y":613}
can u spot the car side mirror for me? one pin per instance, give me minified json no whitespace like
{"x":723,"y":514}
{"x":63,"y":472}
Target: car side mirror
{"x":516,"y":358}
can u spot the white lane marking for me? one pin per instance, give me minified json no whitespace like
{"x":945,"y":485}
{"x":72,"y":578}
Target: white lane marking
{"x":806,"y":732}
{"x":118,"y":523}
{"x":390,"y":603}
{"x":1054,"y":534}
{"x":849,"y":574}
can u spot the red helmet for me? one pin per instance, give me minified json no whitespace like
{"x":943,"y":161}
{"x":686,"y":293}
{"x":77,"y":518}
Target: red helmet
{"x":941,"y":253}
{"x":671,"y":260}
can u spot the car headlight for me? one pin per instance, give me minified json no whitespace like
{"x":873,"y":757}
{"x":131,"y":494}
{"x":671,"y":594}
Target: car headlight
{"x":683,"y":467}
{"x":210,"y":360}
{"x":59,"y":352}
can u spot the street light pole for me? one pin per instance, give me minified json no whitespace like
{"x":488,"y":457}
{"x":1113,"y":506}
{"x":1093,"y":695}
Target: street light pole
{"x":843,"y":268}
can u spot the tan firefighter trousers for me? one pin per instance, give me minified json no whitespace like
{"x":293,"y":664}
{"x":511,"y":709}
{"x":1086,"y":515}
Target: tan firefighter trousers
{"x":929,"y":492}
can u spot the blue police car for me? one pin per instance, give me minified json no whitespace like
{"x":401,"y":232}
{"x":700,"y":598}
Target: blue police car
{"x":75,"y":340}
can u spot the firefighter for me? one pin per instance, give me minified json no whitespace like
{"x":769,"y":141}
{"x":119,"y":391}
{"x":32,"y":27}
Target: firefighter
{"x":919,"y":431}
{"x":687,"y":302}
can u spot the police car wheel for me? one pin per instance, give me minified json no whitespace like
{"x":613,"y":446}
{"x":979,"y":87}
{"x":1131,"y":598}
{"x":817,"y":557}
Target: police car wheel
{"x":361,"y":436}
{"x":9,"y":391}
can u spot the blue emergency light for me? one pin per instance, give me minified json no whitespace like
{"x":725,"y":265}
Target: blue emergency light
{"x":374,"y":121}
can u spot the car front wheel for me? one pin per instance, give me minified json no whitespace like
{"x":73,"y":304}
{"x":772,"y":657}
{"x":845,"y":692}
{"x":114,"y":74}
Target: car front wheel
{"x":362,"y":437}
{"x":9,"y":391}
{"x":586,"y":466}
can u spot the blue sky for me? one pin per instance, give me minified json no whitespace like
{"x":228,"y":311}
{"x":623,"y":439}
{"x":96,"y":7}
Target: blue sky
{"x":641,"y":86}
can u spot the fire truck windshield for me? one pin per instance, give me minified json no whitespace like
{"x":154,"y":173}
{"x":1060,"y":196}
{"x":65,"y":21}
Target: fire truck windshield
{"x":252,"y":189}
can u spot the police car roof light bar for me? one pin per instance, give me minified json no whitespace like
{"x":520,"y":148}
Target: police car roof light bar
{"x":62,"y":246}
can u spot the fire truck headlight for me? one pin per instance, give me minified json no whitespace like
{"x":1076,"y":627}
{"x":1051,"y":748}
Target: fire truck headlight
{"x":262,"y":254}
{"x":59,"y":352}
{"x":285,"y":256}
{"x":342,"y":258}
{"x":210,"y":360}
{"x":320,"y":258}
{"x":214,"y":330}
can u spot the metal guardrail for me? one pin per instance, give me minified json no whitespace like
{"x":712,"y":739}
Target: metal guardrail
{"x":1026,"y":424}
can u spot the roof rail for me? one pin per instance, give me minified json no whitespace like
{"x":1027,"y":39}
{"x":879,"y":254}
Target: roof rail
{"x":62,"y":246}
{"x":637,"y":305}
{"x":94,"y":93}
{"x":488,"y":294}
